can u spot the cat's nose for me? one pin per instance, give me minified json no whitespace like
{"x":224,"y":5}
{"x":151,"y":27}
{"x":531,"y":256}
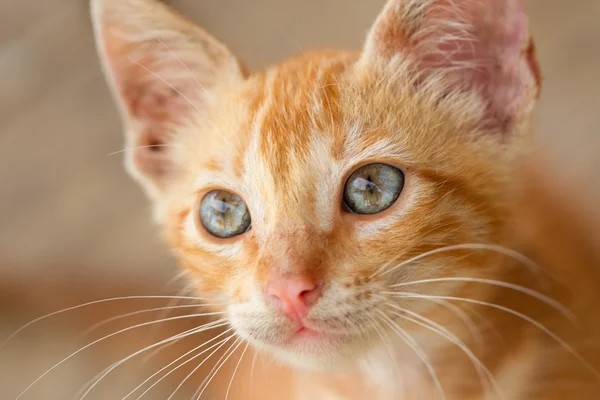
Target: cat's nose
{"x":293,"y":295}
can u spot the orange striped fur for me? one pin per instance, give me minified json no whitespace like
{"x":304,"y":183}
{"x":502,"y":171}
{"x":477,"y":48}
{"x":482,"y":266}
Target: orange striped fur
{"x":442,"y":90}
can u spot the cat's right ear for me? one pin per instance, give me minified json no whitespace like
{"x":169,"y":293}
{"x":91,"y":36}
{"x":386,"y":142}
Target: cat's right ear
{"x":162,"y":69}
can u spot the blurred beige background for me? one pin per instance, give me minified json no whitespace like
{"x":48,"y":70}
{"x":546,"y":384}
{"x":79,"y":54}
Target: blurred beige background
{"x":68,"y":209}
{"x":68,"y":212}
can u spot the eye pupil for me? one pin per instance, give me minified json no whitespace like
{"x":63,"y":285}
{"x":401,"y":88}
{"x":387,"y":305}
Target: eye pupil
{"x":371,"y":185}
{"x":373,"y":188}
{"x":224,"y":214}
{"x":221,"y":206}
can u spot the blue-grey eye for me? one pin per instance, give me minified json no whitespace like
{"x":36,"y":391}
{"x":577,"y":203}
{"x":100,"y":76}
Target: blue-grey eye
{"x":373,"y":188}
{"x":224,"y":214}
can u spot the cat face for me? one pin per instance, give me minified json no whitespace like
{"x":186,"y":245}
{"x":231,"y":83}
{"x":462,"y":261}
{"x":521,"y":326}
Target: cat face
{"x":301,"y":198}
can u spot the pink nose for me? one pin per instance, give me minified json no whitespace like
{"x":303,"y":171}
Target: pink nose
{"x":293,"y":295}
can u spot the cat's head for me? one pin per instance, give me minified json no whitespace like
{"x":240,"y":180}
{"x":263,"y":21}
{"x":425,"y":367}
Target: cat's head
{"x":297,"y":196}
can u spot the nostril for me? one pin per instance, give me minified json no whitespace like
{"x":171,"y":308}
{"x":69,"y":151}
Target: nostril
{"x":310,"y":296}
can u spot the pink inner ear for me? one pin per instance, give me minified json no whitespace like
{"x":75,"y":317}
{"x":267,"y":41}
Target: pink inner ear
{"x":151,"y":100}
{"x":148,"y":78}
{"x":157,"y":91}
{"x":161,"y":67}
{"x":481,"y":45}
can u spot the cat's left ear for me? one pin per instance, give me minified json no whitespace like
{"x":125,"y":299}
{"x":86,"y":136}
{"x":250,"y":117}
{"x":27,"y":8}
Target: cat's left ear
{"x":162,"y":70}
{"x":480,"y":46}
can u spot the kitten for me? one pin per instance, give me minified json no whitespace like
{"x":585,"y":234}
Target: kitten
{"x":353,"y":213}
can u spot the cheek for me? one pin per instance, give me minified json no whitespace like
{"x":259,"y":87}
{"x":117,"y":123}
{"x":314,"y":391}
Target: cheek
{"x":220,"y":279}
{"x":242,"y":288}
{"x":215,"y":267}
{"x":209,"y":275}
{"x":429,"y":226}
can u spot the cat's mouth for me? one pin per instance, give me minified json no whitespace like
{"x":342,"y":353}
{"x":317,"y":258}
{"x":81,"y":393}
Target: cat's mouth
{"x":302,"y":344}
{"x":313,"y":349}
{"x":305,"y":333}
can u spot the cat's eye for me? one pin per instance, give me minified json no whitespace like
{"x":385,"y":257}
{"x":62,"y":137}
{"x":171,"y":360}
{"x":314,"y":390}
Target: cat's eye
{"x":373,"y":188}
{"x":224,"y":214}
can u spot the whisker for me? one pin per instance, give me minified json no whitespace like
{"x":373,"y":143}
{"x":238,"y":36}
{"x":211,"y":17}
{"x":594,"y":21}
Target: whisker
{"x":239,"y":343}
{"x":198,"y":367}
{"x":447,"y":334}
{"x":93,"y":379}
{"x":235,"y":371}
{"x":165,"y":314}
{"x":166,"y":83}
{"x":485,"y":324}
{"x":384,"y":266}
{"x":149,"y":146}
{"x":518,"y":288}
{"x":203,"y":328}
{"x":91,"y":303}
{"x":386,"y":342}
{"x":158,"y":350}
{"x":418,"y":351}
{"x":478,"y":365}
{"x":526,"y":318}
{"x":211,"y":123}
{"x":138,"y":312}
{"x":216,"y":366}
{"x":180,"y":365}
{"x":469,"y":246}
{"x":355,"y":327}
{"x":252,"y":370}
{"x":177,"y":277}
{"x":107,"y":337}
{"x":466,"y":319}
{"x":90,"y":382}
{"x":183,"y":64}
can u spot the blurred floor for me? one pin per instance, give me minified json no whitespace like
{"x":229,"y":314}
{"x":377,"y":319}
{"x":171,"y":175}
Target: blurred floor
{"x":67,"y":208}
